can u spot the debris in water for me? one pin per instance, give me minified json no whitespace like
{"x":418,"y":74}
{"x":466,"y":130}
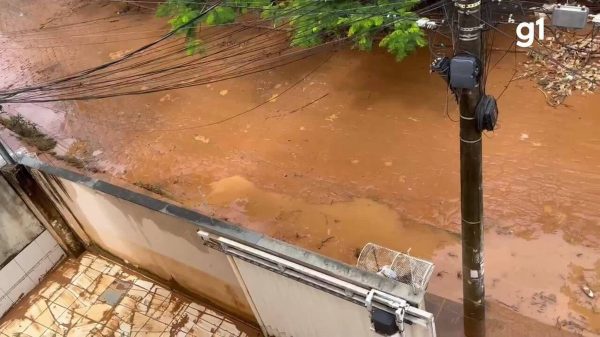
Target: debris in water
{"x":504,"y":231}
{"x":71,"y":160}
{"x":509,"y":306}
{"x":28,"y":132}
{"x":97,"y":153}
{"x":223,"y":92}
{"x":119,"y":54}
{"x":151,"y":187}
{"x":323,"y":242}
{"x":355,"y":161}
{"x":388,"y":163}
{"x":524,"y":136}
{"x":166,"y":97}
{"x":299,"y":236}
{"x":570,"y":325}
{"x":586,"y":290}
{"x":202,"y":139}
{"x":332,"y":118}
{"x":541,"y":301}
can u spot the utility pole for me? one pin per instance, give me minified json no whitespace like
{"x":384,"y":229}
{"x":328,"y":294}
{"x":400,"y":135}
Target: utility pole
{"x":471,"y":192}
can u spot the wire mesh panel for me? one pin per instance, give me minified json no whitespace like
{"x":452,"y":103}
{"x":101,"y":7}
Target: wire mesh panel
{"x":395,"y":265}
{"x":413,"y":271}
{"x":374,"y":258}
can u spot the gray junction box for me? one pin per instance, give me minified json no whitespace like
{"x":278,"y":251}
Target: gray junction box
{"x":569,"y":16}
{"x":464,"y":72}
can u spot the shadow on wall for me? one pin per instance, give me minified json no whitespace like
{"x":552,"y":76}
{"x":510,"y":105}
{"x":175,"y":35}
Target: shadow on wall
{"x":158,"y":243}
{"x":18,"y":226}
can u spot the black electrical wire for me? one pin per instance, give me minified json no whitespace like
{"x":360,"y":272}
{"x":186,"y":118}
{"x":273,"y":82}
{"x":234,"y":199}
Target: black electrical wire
{"x":162,"y":87}
{"x":209,"y":80}
{"x":119,"y":70}
{"x":228,"y":118}
{"x":76,"y":25}
{"x":128,"y":55}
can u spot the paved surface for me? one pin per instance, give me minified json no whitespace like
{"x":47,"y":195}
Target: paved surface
{"x":501,"y":321}
{"x":93,"y":296}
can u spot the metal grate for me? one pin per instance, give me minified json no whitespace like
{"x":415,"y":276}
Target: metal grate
{"x":395,"y":265}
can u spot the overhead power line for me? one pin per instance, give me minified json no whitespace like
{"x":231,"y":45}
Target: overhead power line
{"x":230,"y":51}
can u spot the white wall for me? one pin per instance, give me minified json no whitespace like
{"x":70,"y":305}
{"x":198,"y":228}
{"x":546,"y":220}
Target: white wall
{"x":153,"y":238}
{"x":290,"y":308}
{"x":24,"y":271}
{"x":161,"y":244}
{"x":18,"y":226}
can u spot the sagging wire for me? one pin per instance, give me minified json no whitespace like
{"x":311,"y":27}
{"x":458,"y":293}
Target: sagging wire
{"x":151,"y":76}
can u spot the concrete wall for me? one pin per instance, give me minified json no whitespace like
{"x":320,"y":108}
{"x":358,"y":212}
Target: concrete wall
{"x":163,"y":239}
{"x":18,"y":226}
{"x":163,"y":245}
{"x":290,"y":308}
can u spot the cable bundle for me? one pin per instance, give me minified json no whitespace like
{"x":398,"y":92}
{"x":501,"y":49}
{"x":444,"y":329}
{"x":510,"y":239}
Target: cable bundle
{"x":247,"y":47}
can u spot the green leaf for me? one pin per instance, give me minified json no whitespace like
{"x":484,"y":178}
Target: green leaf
{"x":312,"y":22}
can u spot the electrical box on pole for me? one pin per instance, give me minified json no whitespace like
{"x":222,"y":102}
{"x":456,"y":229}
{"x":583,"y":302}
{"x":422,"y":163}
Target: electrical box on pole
{"x":464,"y":71}
{"x":569,"y":16}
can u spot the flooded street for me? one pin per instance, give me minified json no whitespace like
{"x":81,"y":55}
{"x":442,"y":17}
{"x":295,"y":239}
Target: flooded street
{"x":362,"y":149}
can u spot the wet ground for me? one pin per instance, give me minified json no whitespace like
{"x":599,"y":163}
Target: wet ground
{"x":375,"y":160}
{"x":93,"y":296}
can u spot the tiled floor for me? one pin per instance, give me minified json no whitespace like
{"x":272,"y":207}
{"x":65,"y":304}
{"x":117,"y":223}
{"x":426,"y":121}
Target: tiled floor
{"x":93,"y":296}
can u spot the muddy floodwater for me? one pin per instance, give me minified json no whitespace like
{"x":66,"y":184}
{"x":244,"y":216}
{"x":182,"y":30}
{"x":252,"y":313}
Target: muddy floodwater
{"x":364,"y":149}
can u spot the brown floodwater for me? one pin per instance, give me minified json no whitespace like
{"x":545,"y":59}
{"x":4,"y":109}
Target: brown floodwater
{"x":375,"y":160}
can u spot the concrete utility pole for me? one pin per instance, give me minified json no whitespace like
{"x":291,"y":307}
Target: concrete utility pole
{"x":471,"y":192}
